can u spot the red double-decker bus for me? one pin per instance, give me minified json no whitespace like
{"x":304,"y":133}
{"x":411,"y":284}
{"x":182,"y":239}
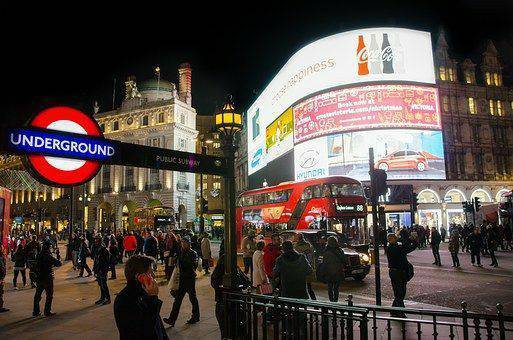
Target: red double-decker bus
{"x":334,"y":203}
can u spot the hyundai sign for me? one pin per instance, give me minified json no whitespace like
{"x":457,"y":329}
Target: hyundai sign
{"x":376,"y":79}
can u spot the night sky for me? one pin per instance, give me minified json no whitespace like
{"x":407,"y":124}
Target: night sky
{"x":71,"y":55}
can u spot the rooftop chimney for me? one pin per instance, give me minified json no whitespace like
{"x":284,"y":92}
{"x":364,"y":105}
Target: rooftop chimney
{"x":184,"y":83}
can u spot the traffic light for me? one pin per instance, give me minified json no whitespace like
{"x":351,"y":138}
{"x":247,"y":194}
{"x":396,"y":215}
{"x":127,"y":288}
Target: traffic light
{"x":467,"y":207}
{"x":379,"y":182}
{"x":414,"y":201}
{"x":477,"y":204}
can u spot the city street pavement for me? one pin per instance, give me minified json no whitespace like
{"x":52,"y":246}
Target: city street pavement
{"x":432,"y":287}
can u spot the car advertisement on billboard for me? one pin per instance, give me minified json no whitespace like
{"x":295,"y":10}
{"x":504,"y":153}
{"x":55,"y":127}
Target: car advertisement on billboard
{"x":311,"y":159}
{"x":365,"y":108}
{"x":359,"y":56}
{"x":403,"y":154}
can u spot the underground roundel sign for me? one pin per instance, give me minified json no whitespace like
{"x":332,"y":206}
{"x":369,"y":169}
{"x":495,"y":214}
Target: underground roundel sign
{"x":59,"y":171}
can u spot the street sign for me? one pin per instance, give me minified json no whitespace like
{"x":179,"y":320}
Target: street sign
{"x":63,"y":147}
{"x":53,"y":169}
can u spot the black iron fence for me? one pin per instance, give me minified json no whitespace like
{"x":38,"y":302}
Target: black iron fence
{"x":253,"y":316}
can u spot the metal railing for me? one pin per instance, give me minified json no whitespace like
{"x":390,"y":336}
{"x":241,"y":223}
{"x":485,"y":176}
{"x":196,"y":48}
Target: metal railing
{"x":254,"y":316}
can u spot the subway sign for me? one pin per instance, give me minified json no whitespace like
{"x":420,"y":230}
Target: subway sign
{"x":63,"y":147}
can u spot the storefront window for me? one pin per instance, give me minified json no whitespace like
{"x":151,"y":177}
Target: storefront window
{"x":455,"y":216}
{"x":430,"y":218}
{"x":482,"y":195}
{"x":427,"y":196}
{"x":454,"y":196}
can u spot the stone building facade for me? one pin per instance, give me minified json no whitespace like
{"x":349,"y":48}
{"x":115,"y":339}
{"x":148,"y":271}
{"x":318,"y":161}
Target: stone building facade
{"x":156,"y":113}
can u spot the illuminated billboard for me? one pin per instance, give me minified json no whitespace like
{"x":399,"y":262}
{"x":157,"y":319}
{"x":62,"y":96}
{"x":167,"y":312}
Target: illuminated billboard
{"x":344,"y":86}
{"x":365,"y":108}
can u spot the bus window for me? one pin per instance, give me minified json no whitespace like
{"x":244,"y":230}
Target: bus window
{"x":326,"y":191}
{"x":247,"y":201}
{"x":338,"y":190}
{"x":317,"y":191}
{"x":259,"y":199}
{"x":279,"y":196}
{"x":307,"y":193}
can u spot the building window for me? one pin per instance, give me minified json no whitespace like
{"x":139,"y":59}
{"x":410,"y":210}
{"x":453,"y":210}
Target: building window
{"x":182,"y":119}
{"x":160,"y":118}
{"x":488,"y":78}
{"x":451,"y":74}
{"x":469,"y":79}
{"x":497,"y":81}
{"x":144,"y":120}
{"x":441,"y":72}
{"x":471,"y":105}
{"x":216,"y":145}
{"x":492,"y":107}
{"x":445,"y":103}
{"x":115,"y":125}
{"x":182,"y":144}
{"x":499,"y":108}
{"x":217,"y":185}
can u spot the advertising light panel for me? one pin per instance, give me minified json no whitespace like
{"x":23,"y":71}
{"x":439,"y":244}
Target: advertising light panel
{"x":359,"y":56}
{"x":366,"y":108}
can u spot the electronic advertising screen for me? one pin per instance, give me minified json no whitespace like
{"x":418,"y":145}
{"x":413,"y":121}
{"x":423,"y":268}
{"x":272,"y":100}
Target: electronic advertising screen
{"x":342,"y":94}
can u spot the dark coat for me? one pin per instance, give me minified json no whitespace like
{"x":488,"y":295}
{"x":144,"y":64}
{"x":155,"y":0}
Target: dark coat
{"x":454,"y":242}
{"x":83,"y":252}
{"x":292,"y":269}
{"x":188,"y":263}
{"x":137,"y":314}
{"x":436,"y":238}
{"x":101,"y":264}
{"x":396,"y":255}
{"x":333,"y":262}
{"x":44,"y":265}
{"x":475,"y":242}
{"x":20,"y":258}
{"x":151,"y":247}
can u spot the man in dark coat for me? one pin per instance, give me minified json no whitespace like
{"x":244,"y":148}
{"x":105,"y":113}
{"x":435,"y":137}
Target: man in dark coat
{"x":475,"y":243}
{"x":140,"y":242}
{"x":137,"y":306}
{"x":187,"y":264}
{"x":32,"y":249}
{"x":83,"y":253}
{"x":101,"y":268}
{"x":44,"y":282}
{"x":151,"y":246}
{"x":399,"y":269}
{"x":436,"y":238}
{"x":292,"y":268}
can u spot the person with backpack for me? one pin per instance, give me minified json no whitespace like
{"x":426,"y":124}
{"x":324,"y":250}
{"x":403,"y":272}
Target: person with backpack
{"x":304,"y":247}
{"x":331,"y":270}
{"x":101,"y":266}
{"x":45,"y":263}
{"x":32,"y":249}
{"x":400,"y":270}
{"x":292,"y":269}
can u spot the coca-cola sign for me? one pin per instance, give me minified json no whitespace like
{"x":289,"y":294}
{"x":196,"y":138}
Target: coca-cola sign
{"x":379,"y":54}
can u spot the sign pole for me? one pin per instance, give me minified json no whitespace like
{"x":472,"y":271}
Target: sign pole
{"x":375,"y":229}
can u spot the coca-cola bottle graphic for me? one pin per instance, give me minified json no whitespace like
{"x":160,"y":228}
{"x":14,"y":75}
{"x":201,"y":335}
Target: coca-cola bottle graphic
{"x":362,"y":56}
{"x":398,"y":55}
{"x":374,"y":56}
{"x":387,"y":55}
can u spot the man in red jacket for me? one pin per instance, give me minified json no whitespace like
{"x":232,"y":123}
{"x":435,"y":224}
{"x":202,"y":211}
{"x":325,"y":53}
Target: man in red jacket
{"x":271,"y":253}
{"x":130,"y":244}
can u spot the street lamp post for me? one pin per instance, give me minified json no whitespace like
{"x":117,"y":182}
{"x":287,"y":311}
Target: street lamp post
{"x":85,"y":198}
{"x":228,"y":122}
